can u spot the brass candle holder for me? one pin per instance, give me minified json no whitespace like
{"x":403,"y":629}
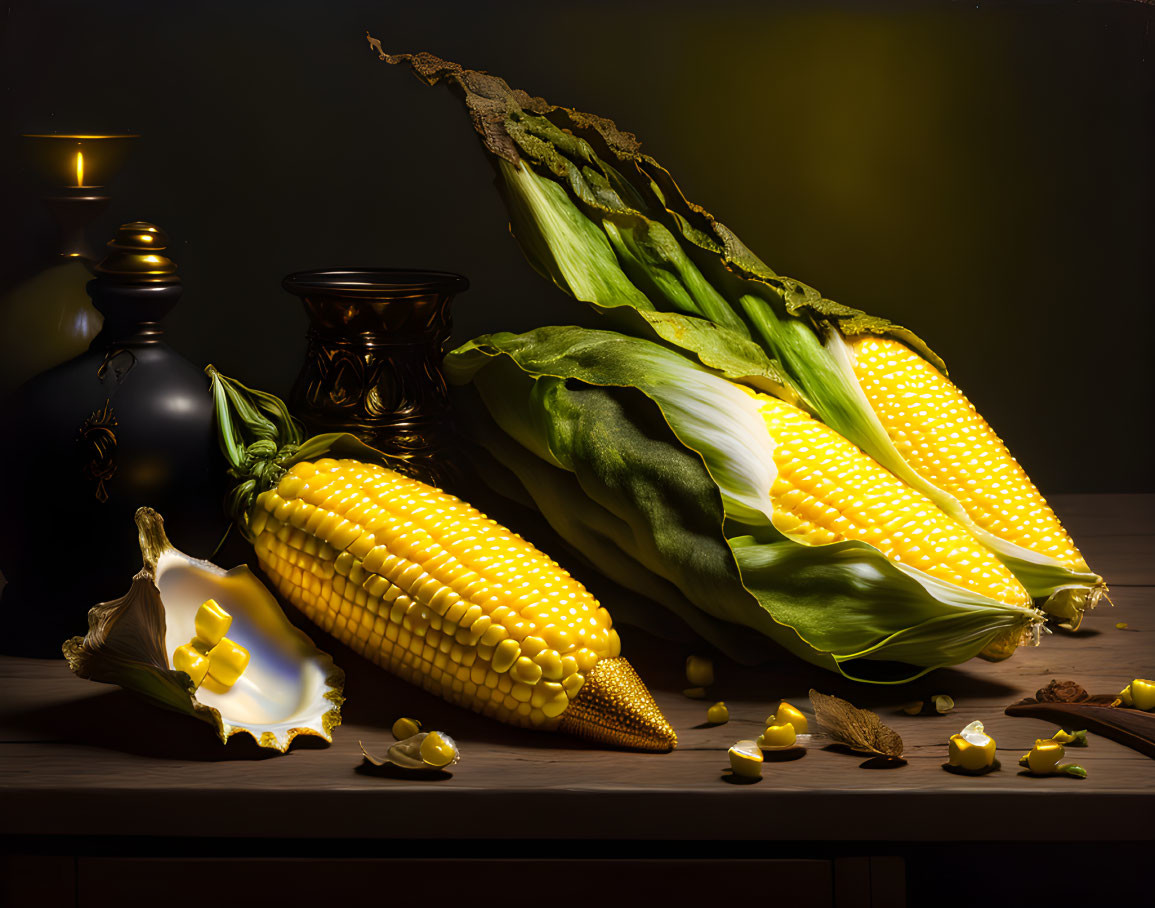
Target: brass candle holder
{"x":77,"y":168}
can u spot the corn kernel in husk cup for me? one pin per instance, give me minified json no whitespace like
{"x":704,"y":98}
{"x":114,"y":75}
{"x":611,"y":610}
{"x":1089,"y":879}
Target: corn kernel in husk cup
{"x":287,"y":687}
{"x":425,"y":751}
{"x":1044,"y":760}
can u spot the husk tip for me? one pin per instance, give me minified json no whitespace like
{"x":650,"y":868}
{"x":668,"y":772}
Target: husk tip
{"x":151,"y":535}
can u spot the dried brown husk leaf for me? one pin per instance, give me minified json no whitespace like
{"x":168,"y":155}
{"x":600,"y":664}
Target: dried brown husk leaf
{"x":859,"y":729}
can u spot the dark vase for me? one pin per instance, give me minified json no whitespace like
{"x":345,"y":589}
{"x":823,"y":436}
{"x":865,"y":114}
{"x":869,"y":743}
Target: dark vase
{"x":373,"y":362}
{"x":126,"y":424}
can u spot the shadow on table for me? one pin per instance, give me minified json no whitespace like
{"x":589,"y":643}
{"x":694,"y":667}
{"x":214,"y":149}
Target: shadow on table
{"x":661,"y":664}
{"x":375,"y":699}
{"x":123,"y":722}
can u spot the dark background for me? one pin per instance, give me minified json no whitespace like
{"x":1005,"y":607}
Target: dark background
{"x":980,"y":172}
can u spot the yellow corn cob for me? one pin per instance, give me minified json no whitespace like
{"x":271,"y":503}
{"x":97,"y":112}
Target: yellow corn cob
{"x":827,"y":490}
{"x":432,"y":590}
{"x":941,"y":435}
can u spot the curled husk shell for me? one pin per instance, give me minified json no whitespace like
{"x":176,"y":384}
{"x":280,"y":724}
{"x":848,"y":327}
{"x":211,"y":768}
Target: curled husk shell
{"x":407,"y":753}
{"x":289,"y":688}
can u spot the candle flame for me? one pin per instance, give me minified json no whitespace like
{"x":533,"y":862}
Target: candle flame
{"x":80,"y":168}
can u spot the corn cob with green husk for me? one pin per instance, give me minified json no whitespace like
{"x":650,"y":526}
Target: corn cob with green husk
{"x":424,"y":585}
{"x":730,"y":507}
{"x":608,"y":225}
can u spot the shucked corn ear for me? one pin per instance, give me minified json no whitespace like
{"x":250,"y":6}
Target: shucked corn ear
{"x":946,"y":441}
{"x":826,"y":490}
{"x":430,"y":589}
{"x":608,"y":224}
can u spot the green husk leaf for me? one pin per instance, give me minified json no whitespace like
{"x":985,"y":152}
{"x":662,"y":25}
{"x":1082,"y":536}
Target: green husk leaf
{"x":515,"y":127}
{"x":859,"y":729}
{"x":595,"y":180}
{"x":568,"y":248}
{"x":261,"y":441}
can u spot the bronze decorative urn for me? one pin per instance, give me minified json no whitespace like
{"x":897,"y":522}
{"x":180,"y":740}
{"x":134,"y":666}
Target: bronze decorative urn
{"x":373,"y":362}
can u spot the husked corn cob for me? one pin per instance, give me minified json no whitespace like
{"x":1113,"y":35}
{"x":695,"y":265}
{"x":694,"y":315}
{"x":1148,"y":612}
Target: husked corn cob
{"x":432,"y":590}
{"x":944,"y":438}
{"x":827,"y":490}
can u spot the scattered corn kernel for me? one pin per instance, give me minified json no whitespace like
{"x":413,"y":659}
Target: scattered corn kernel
{"x":777,"y":736}
{"x":695,"y":693}
{"x":438,"y":749}
{"x":227,"y":662}
{"x":192,"y":661}
{"x":212,"y":623}
{"x":1045,"y":756}
{"x":1143,"y":694}
{"x":1122,"y":626}
{"x":746,"y":760}
{"x":718,"y":714}
{"x":699,"y":671}
{"x":913,"y":708}
{"x":405,"y":728}
{"x":787,"y":713}
{"x":943,"y":704}
{"x":972,"y":748}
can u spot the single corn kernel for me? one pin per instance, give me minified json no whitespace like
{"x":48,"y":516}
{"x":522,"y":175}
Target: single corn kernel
{"x":212,"y":623}
{"x":787,"y":713}
{"x":1045,"y":756}
{"x":777,"y":735}
{"x":505,"y":655}
{"x":438,"y":749}
{"x":699,"y":671}
{"x":972,"y":748}
{"x":1122,"y":626}
{"x":913,"y":708}
{"x":695,"y":693}
{"x":1143,"y":694}
{"x":227,"y":661}
{"x":746,"y":760}
{"x":943,"y":704}
{"x":526,"y":671}
{"x":405,"y":728}
{"x":1125,"y":696}
{"x":718,"y":714}
{"x":192,"y":661}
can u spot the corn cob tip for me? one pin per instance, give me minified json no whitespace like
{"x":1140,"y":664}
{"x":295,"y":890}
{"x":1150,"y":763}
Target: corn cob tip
{"x":614,"y":707}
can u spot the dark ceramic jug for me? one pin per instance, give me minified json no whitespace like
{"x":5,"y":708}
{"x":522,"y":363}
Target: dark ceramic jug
{"x":126,"y":424}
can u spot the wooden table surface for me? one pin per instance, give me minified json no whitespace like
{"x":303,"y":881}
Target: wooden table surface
{"x":73,"y":750}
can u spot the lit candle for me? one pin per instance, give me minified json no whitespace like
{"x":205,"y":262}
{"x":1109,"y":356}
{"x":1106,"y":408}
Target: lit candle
{"x":78,"y":160}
